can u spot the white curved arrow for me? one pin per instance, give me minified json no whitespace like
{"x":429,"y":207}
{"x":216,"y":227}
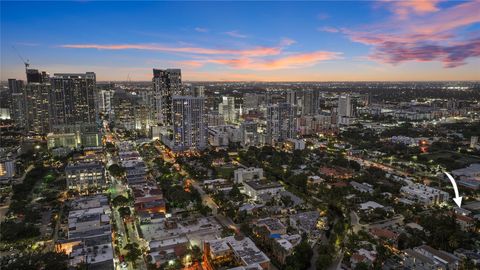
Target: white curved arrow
{"x":457,"y":199}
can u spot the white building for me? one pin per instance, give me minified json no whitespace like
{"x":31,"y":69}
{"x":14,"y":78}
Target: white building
{"x":82,"y":176}
{"x":424,"y":194}
{"x":221,"y":136}
{"x":243,"y":175}
{"x":344,"y":106}
{"x":258,"y":187}
{"x":227,"y":109}
{"x":105,"y":101}
{"x":297,"y":144}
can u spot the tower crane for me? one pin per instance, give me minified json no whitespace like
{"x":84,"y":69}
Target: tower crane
{"x":26,"y":63}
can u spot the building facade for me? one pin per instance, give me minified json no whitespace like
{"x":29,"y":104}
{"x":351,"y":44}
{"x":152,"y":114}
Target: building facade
{"x":280,"y":123}
{"x":188,"y":130}
{"x":166,"y":84}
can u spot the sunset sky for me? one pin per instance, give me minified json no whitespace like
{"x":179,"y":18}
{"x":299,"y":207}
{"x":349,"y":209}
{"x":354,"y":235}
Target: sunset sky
{"x":232,"y":41}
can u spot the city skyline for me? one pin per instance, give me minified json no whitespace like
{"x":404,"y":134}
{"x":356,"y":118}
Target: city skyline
{"x":320,"y":41}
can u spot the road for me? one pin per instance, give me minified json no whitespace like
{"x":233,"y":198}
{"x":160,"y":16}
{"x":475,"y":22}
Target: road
{"x":206,"y":198}
{"x":355,"y":221}
{"x":126,"y":232}
{"x":378,"y":165}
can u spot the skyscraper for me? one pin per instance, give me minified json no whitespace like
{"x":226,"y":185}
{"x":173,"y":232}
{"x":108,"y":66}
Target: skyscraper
{"x":35,"y":76}
{"x":18,"y":112}
{"x":199,"y":91}
{"x":166,"y":83}
{"x":73,"y":98}
{"x":38,"y":106}
{"x":189,"y":129}
{"x":310,"y":102}
{"x":344,"y":106}
{"x":105,"y":101}
{"x":280,"y":123}
{"x":227,"y":109}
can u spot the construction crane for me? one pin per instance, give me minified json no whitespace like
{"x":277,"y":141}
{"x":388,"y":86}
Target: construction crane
{"x":26,"y":63}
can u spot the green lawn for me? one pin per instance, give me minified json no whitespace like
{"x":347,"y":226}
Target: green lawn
{"x":225,"y":172}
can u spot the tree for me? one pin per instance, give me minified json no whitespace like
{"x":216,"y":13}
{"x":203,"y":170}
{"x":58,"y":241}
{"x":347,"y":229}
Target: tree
{"x":124,"y":211}
{"x":116,"y":170}
{"x":13,"y":231}
{"x":300,"y":258}
{"x":323,"y":261}
{"x":133,"y":252}
{"x":196,"y":253}
{"x":325,"y":257}
{"x":235,"y":193}
{"x":120,"y":201}
{"x":287,"y":201}
{"x":361,"y":266}
{"x":40,"y":260}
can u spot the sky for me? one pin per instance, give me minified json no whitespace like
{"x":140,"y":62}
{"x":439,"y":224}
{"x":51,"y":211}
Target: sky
{"x":384,"y":40}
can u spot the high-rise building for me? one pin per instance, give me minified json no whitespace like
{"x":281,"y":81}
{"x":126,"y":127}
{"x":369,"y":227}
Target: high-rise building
{"x":292,"y":97}
{"x":131,"y":111}
{"x":73,"y":98}
{"x":166,"y":84}
{"x":105,"y":101}
{"x":198,"y":91}
{"x":18,"y":112}
{"x":310,"y":102}
{"x":250,"y":135}
{"x":280,"y":123}
{"x":189,"y":129}
{"x":227,"y":109}
{"x":344,"y":106}
{"x":38,"y":107}
{"x":35,"y":76}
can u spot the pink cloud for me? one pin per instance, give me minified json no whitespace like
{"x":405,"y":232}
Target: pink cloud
{"x":433,"y":35}
{"x":298,"y":60}
{"x":328,"y":29}
{"x":254,"y":52}
{"x":404,"y":8}
{"x":189,"y":63}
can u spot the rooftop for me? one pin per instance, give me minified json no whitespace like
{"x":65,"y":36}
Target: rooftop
{"x":263,"y":184}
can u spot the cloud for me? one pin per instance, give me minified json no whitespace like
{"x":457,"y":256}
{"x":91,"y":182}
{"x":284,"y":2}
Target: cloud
{"x":404,"y":8}
{"x":235,"y":34}
{"x":450,"y":55}
{"x":433,"y":34}
{"x":201,"y":29}
{"x":287,"y":42}
{"x":254,"y":52}
{"x":298,"y":60}
{"x":328,"y":29}
{"x":189,"y":63}
{"x":255,"y":58}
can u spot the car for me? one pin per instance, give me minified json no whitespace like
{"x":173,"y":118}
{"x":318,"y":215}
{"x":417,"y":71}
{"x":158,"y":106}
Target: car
{"x":124,"y":265}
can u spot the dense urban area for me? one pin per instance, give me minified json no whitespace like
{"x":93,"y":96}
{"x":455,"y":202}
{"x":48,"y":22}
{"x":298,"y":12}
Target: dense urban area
{"x":238,"y":175}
